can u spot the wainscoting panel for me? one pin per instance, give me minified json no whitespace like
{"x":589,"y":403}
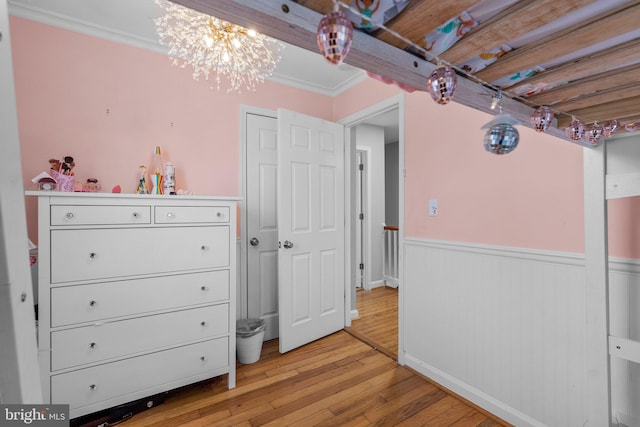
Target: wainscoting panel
{"x":503,"y":327}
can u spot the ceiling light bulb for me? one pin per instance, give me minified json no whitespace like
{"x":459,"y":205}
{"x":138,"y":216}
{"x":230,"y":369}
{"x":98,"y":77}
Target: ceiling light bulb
{"x":213,"y":47}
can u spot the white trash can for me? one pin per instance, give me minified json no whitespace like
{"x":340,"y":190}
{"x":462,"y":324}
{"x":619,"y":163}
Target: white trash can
{"x":249,"y":337}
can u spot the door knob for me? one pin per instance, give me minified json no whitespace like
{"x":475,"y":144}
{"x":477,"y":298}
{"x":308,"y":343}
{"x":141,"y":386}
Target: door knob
{"x":254,"y":241}
{"x":288,"y":244}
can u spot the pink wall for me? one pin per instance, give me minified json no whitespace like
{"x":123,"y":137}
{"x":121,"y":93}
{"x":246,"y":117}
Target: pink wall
{"x":108,"y":104}
{"x":530,"y":198}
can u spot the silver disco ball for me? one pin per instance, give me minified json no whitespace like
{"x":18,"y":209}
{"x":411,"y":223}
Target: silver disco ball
{"x":501,"y":138}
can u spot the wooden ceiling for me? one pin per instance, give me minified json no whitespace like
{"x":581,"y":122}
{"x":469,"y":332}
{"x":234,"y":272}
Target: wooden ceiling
{"x":585,"y":53}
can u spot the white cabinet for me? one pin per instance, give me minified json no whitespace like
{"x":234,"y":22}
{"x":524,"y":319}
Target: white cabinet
{"x":136,"y":295}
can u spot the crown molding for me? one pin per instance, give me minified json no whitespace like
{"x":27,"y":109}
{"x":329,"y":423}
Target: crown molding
{"x":34,"y":13}
{"x":311,"y":87}
{"x":48,"y":17}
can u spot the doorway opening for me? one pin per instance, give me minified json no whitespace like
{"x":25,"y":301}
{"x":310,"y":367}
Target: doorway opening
{"x":376,"y":141}
{"x":266,"y":304}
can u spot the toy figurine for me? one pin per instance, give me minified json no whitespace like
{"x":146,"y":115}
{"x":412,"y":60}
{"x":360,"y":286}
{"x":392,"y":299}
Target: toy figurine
{"x":143,"y":188}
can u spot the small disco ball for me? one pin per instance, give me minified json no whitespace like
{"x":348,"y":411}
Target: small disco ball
{"x":595,"y":134}
{"x":442,"y":84}
{"x":611,"y":127}
{"x":335,"y":33}
{"x":541,"y":119}
{"x":501,"y":138}
{"x":575,"y":130}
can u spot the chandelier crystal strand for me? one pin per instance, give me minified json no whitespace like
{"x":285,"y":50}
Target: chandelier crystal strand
{"x":216,"y":49}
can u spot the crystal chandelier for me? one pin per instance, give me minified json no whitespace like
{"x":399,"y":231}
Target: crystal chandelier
{"x":212,"y":46}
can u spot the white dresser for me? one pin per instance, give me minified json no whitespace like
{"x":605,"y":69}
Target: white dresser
{"x":136,"y":295}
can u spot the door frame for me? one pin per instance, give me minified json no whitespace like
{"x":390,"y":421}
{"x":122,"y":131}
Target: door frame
{"x":366,"y":210}
{"x":243,"y":288}
{"x":242,"y":291}
{"x":394,"y":102}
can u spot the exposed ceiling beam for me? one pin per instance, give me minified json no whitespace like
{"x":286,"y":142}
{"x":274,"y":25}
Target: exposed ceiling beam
{"x":519,"y":19}
{"x":321,"y":6}
{"x":611,"y":110}
{"x":420,"y":18}
{"x":601,"y":97}
{"x":610,"y":79}
{"x":598,"y":29}
{"x":617,"y":57}
{"x":297,"y":25}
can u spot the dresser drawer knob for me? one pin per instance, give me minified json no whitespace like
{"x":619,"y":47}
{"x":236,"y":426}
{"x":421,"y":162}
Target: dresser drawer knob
{"x":69,"y":215}
{"x":92,"y":255}
{"x":219,"y":214}
{"x":170,"y":215}
{"x":203,"y":323}
{"x":204,"y":248}
{"x":136,"y":214}
{"x":203,"y":288}
{"x":92,"y":387}
{"x":92,"y":303}
{"x":203,"y":358}
{"x":92,"y":345}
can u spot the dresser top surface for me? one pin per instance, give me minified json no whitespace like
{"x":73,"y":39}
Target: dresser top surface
{"x":86,"y":195}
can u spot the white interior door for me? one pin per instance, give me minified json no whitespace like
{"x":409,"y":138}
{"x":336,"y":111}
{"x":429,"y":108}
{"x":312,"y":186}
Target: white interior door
{"x":310,"y":227}
{"x":262,"y":221}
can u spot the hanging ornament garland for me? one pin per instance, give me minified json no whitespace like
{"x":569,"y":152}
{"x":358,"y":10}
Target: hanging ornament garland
{"x":542,"y":118}
{"x":595,"y":134}
{"x":575,"y":130}
{"x":610,"y":127}
{"x":442,"y":84}
{"x":334,"y":36}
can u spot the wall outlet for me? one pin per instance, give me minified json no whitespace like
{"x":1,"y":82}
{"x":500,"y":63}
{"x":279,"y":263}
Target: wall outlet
{"x":433,"y":207}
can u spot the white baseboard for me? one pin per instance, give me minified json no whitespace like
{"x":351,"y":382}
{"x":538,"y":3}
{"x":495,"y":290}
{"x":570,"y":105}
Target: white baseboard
{"x":625,"y":420}
{"x":479,"y":398}
{"x":376,"y":284}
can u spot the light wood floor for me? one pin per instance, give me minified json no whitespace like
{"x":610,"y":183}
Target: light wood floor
{"x":335,"y":381}
{"x":377,"y":324}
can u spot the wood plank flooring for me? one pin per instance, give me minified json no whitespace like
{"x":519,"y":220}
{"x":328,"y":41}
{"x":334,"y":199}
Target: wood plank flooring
{"x":335,"y":381}
{"x":377,"y":324}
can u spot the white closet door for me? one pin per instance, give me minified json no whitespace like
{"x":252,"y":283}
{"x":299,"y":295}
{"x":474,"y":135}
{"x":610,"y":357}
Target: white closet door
{"x":311,"y":228}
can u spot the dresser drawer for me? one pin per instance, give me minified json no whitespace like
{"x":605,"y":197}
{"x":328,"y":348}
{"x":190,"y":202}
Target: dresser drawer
{"x":190,"y":215}
{"x":111,"y":253}
{"x":89,"y":344}
{"x":99,"y":215}
{"x":100,"y":301}
{"x":100,"y":383}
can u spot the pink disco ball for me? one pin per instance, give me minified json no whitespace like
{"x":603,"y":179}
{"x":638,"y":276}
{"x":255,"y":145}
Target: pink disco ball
{"x":542,"y":118}
{"x":335,"y":33}
{"x":442,"y":84}
{"x":575,"y":130}
{"x":611,"y":127}
{"x":630,"y":127}
{"x":595,"y":134}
